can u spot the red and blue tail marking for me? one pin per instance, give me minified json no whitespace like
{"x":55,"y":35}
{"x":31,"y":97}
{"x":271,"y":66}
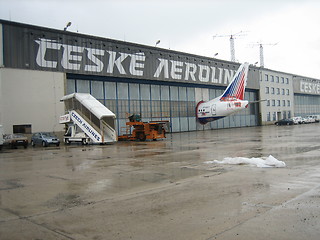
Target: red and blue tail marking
{"x":236,"y":88}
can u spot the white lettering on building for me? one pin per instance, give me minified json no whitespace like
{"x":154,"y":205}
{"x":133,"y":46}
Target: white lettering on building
{"x":71,"y":57}
{"x":310,"y":87}
{"x":191,"y":70}
{"x":137,"y":64}
{"x":93,"y":60}
{"x":92,"y":54}
{"x":204,"y":73}
{"x":163,"y":65}
{"x":176,"y":69}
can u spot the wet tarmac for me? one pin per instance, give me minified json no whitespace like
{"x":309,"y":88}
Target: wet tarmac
{"x":164,"y":189}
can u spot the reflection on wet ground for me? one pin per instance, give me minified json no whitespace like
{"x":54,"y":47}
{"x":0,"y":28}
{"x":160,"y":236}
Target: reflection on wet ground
{"x":38,"y":181}
{"x":126,"y":165}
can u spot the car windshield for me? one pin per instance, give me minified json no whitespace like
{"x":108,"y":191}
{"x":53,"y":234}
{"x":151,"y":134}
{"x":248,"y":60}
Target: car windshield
{"x":11,"y":136}
{"x":17,"y":136}
{"x":48,"y":135}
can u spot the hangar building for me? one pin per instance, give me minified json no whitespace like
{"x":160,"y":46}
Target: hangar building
{"x":38,"y":66}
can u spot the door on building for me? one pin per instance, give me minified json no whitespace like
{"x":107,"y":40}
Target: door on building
{"x":279,"y":116}
{"x":213,"y":109}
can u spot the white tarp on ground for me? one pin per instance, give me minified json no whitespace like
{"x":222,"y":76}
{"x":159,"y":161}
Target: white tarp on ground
{"x":259,"y":162}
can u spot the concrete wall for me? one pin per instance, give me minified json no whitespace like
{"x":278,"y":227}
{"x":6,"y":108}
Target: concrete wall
{"x":31,"y":97}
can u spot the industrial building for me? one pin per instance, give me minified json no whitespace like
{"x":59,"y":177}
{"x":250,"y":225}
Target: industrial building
{"x":38,"y":66}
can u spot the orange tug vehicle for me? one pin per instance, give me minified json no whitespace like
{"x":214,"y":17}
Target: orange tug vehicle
{"x":142,"y":131}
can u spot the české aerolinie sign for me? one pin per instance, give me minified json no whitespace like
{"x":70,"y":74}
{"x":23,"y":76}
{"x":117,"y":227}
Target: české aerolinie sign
{"x":52,"y":54}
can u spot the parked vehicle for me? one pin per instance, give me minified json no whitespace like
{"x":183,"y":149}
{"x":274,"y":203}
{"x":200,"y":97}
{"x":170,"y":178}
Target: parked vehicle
{"x":15,"y":140}
{"x":1,"y":136}
{"x":75,"y":134}
{"x":315,"y":118}
{"x":297,"y":120}
{"x":284,"y":122}
{"x":45,"y":139}
{"x":310,"y":120}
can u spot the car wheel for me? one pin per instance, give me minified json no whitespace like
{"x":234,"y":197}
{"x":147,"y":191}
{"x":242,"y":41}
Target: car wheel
{"x":83,"y":141}
{"x":25,"y":146}
{"x":44,"y":144}
{"x":57,"y":144}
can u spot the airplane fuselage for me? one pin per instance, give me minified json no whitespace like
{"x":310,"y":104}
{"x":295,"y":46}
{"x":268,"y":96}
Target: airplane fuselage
{"x":231,"y":101}
{"x":217,"y":109}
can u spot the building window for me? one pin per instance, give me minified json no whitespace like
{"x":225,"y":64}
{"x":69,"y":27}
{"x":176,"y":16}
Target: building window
{"x":282,"y":91}
{"x":266,"y":77}
{"x":268,"y":117}
{"x":278,"y":91}
{"x":273,"y":102}
{"x":271,"y":78}
{"x":272,"y":90}
{"x":268,"y":102}
{"x":277,"y":79}
{"x":287,"y":80}
{"x":288,"y":103}
{"x":282,"y":79}
{"x":22,"y":128}
{"x":278,"y":101}
{"x":267,"y":90}
{"x":274,"y":118}
{"x":284,"y":103}
{"x":284,"y":114}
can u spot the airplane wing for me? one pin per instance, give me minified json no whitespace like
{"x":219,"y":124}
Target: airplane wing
{"x":263,"y":100}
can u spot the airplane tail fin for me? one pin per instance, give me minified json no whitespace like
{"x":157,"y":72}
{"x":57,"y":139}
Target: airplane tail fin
{"x":237,"y":86}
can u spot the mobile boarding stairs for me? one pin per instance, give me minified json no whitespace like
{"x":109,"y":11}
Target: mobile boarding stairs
{"x":87,"y":120}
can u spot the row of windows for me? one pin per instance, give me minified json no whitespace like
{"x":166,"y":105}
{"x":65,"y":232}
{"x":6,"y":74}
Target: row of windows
{"x":152,"y":109}
{"x":306,"y":105}
{"x":307,"y":100}
{"x":277,"y":103}
{"x":154,"y":102}
{"x":272,"y":91}
{"x":285,"y":114}
{"x":132,"y":91}
{"x":276,"y":79}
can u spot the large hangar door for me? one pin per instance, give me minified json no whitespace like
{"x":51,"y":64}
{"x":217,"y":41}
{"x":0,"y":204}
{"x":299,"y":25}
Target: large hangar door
{"x":161,"y":102}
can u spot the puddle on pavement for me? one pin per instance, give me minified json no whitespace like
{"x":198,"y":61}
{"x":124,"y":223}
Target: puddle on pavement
{"x":123,"y":181}
{"x":64,"y":200}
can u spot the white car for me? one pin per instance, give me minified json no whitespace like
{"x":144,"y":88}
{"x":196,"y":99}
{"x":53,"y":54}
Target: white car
{"x":314,"y":117}
{"x":297,"y":120}
{"x":310,"y":120}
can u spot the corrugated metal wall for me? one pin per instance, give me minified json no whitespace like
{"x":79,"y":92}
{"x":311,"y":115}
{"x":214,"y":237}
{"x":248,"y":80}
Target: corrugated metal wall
{"x":129,"y":78}
{"x":30,"y":47}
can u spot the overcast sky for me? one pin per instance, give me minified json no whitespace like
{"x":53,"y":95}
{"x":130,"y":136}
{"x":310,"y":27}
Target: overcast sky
{"x":189,"y":26}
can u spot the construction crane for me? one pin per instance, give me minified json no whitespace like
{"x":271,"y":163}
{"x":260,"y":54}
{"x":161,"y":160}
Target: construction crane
{"x":261,"y":50}
{"x":232,"y":37}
